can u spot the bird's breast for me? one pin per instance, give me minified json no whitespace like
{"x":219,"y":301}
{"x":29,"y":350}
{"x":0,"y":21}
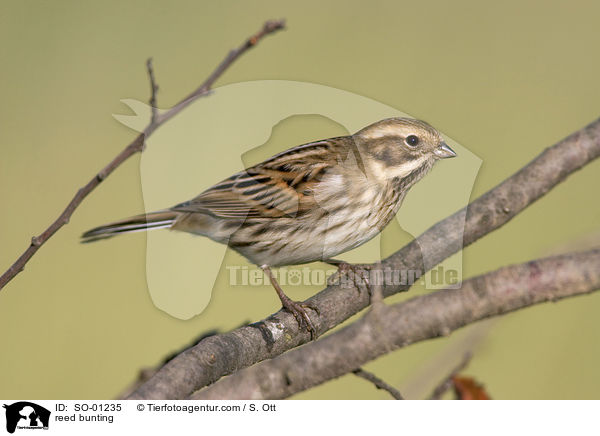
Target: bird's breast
{"x":341,"y":220}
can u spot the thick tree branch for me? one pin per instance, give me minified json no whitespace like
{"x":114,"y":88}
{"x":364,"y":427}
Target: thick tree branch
{"x":430,"y":316}
{"x":135,"y":146}
{"x":226,"y":353}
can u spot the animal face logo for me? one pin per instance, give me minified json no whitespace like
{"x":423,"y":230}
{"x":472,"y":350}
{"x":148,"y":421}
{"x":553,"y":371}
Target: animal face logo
{"x":221,"y":135}
{"x":26,"y":415}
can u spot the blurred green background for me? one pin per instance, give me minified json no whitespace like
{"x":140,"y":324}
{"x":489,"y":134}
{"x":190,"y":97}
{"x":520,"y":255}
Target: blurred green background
{"x":503,"y":79}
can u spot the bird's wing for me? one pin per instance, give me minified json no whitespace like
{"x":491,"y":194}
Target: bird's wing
{"x":281,"y":186}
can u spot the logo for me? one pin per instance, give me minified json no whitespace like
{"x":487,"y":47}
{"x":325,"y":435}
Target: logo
{"x":26,"y":415}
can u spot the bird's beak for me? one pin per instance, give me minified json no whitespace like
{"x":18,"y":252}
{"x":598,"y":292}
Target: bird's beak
{"x":444,"y":151}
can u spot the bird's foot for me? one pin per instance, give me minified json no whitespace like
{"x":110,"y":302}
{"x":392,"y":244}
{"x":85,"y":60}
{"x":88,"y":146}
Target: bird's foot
{"x":350,"y":275}
{"x":294,"y":307}
{"x":298,"y":309}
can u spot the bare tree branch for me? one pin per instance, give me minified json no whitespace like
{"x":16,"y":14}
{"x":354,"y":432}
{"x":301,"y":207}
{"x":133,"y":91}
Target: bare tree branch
{"x":135,"y":146}
{"x":425,"y":317}
{"x":204,"y":89}
{"x":446,"y":384}
{"x":379,"y":384}
{"x":153,"y":90}
{"x":224,"y":354}
{"x":146,"y":373}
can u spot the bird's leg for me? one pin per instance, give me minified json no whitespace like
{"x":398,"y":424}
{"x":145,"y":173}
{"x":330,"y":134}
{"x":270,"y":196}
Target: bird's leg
{"x":295,"y":308}
{"x":359,"y":274}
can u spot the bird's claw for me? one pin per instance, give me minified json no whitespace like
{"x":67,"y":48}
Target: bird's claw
{"x":299,"y":311}
{"x":358,"y":275}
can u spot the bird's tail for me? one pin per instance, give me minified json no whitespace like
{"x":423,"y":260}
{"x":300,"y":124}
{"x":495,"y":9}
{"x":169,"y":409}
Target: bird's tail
{"x":138,"y":223}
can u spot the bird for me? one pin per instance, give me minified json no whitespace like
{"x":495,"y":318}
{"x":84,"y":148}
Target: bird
{"x":309,"y":203}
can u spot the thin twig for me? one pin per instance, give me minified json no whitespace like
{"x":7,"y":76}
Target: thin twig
{"x":153,"y":90}
{"x":433,"y":315}
{"x":204,"y":89}
{"x":446,"y":384}
{"x":134,"y":147}
{"x":227,"y":353}
{"x":379,"y":384}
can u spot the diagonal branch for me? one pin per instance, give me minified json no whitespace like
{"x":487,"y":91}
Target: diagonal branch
{"x":224,"y":354}
{"x":446,"y":384}
{"x":379,"y":384}
{"x":205,"y":88}
{"x":136,"y":146}
{"x":420,"y":318}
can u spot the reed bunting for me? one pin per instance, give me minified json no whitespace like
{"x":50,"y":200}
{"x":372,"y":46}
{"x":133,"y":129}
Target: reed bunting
{"x":309,"y":203}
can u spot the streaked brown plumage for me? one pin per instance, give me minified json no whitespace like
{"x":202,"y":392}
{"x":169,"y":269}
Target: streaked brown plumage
{"x":309,"y":203}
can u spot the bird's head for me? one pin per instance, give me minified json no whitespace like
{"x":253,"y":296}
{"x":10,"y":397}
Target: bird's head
{"x":397,"y":147}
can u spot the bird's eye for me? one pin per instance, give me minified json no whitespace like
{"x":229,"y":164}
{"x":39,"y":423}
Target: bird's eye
{"x":412,"y":140}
